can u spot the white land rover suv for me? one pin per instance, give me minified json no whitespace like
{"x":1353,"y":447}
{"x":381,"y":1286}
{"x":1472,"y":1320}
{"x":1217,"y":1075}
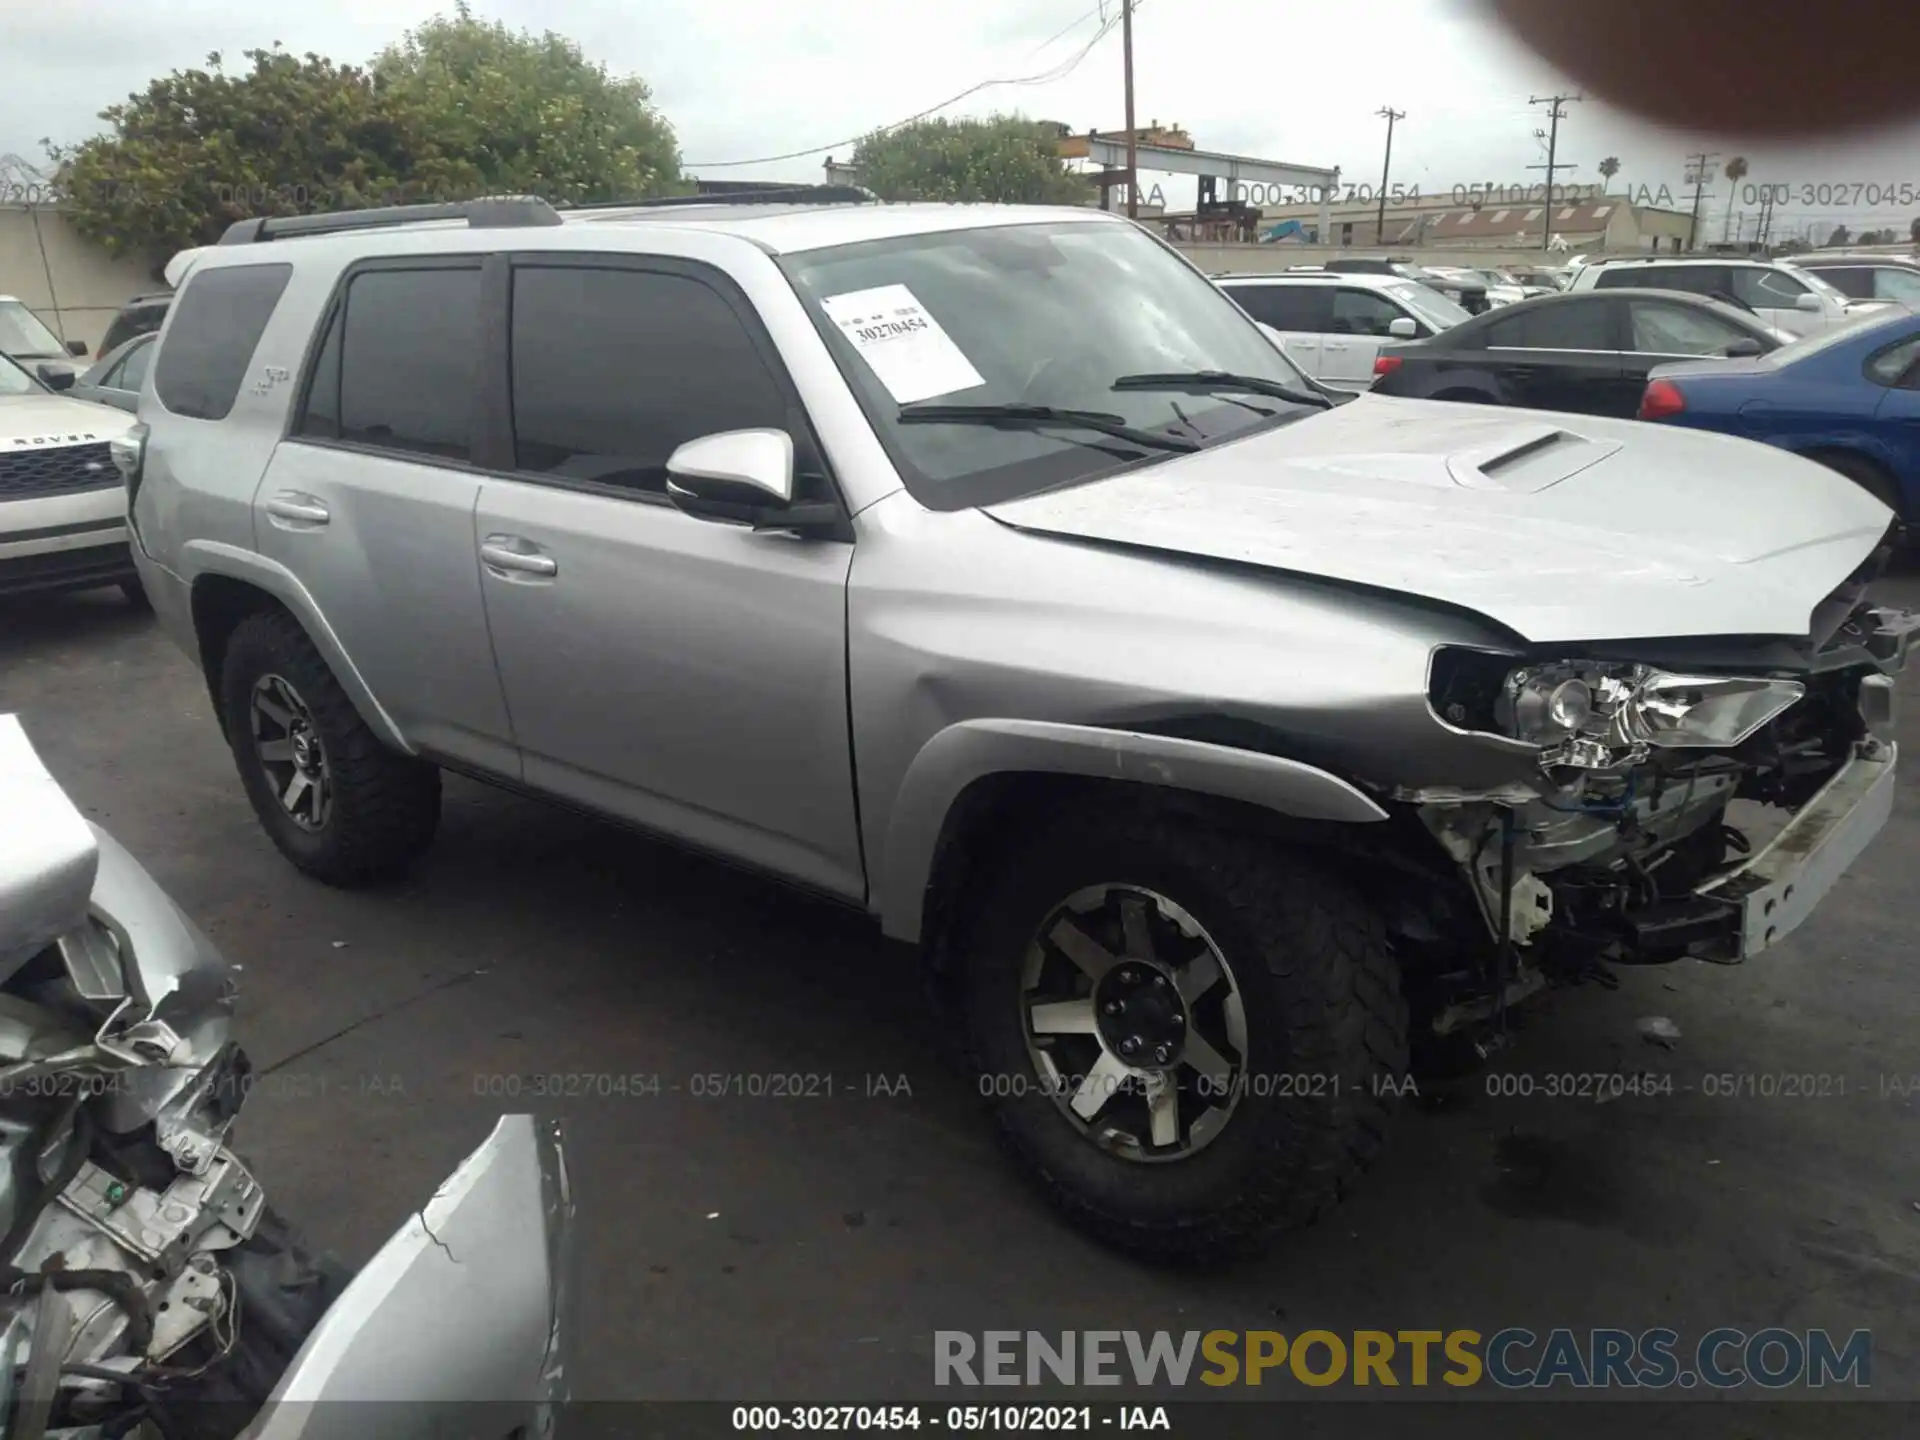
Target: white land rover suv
{"x":62,"y":503}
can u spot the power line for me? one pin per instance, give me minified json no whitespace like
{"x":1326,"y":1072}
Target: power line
{"x":1554,"y":116}
{"x":1045,"y":77}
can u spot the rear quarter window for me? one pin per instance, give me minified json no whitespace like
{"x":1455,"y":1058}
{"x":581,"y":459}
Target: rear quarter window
{"x":219,"y":319}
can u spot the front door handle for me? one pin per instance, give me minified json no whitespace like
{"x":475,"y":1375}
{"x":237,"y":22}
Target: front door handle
{"x":504,"y":554}
{"x":300,"y":511}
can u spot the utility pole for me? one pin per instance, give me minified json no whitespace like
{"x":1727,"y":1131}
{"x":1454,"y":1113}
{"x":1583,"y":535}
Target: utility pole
{"x":1386,"y":168}
{"x":1133,"y":154}
{"x":1554,"y":116}
{"x":1700,"y":162}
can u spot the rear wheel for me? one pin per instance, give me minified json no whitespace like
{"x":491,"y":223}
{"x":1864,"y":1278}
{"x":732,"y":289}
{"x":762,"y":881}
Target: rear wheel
{"x":337,"y":802}
{"x":1189,"y":1038}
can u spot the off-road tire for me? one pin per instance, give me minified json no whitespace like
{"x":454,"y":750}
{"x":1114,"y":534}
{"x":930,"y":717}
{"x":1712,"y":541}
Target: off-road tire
{"x":385,"y":805}
{"x":1322,"y":997}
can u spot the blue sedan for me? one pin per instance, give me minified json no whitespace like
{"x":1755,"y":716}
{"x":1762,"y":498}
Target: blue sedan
{"x":1849,"y":398}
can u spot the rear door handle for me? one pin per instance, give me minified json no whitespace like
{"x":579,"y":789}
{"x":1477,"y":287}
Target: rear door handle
{"x":298,"y":510}
{"x":508,"y":555}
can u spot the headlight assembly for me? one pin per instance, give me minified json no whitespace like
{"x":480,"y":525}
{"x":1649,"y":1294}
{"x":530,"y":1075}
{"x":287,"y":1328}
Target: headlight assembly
{"x":1599,"y":716}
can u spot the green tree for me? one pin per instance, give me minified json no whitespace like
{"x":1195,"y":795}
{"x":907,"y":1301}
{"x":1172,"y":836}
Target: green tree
{"x":199,"y":149}
{"x":461,"y":107}
{"x":1005,"y":158}
{"x":1913,"y":230}
{"x":1840,"y":236}
{"x":492,"y":111}
{"x":1609,"y":168}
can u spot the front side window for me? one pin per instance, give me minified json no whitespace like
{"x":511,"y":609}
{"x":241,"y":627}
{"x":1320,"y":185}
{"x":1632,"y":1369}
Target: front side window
{"x":222,"y":314}
{"x":1050,"y":314}
{"x":1900,"y":285}
{"x":1760,"y":288}
{"x":1680,"y":330}
{"x":24,"y":336}
{"x":406,"y":343}
{"x":1361,"y":312}
{"x":1854,"y":281}
{"x":614,"y":369}
{"x":131,"y":372}
{"x":1429,"y":305}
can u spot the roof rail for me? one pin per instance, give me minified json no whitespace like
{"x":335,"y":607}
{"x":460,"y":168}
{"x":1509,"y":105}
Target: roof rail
{"x":787,"y":195}
{"x":487,"y":212}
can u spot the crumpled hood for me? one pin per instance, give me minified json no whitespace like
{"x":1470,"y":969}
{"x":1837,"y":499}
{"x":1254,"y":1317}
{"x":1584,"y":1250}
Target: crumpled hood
{"x":1559,"y":527}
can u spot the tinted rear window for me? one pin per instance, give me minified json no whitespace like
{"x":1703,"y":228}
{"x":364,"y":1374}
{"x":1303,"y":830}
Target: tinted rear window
{"x":134,"y":320}
{"x":204,"y":358}
{"x":1557,"y":325}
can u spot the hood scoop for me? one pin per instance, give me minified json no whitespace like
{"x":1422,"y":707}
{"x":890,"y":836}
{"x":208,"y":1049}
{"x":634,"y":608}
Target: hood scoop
{"x":1527,"y":459}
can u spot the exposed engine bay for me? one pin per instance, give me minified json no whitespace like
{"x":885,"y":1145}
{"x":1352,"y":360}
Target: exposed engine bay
{"x":144,"y":1273}
{"x":1698,"y":807}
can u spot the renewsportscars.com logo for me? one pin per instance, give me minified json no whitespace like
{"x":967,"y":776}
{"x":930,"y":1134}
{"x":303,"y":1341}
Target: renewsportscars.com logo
{"x":1510,"y":1359}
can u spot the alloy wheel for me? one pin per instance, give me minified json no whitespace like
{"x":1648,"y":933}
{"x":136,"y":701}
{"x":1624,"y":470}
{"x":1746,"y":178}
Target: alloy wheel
{"x":1134,"y":1022}
{"x":291,"y":752}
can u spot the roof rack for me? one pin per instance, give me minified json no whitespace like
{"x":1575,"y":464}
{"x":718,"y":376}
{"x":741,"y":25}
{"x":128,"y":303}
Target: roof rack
{"x":786,"y":195}
{"x":487,"y":212}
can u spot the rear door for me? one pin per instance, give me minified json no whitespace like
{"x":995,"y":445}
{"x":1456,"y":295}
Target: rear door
{"x":370,"y":500}
{"x":1300,"y":311}
{"x":1562,"y":355}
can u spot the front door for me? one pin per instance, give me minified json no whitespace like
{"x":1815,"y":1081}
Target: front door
{"x":684,"y":675}
{"x":1563,"y":356}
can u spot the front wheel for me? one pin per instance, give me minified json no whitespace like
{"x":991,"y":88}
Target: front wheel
{"x":1190,"y":1038}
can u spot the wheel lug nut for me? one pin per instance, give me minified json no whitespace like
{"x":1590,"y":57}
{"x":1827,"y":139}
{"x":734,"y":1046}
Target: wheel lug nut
{"x":1116,"y":1007}
{"x":1162,"y":1054}
{"x":1160,"y":982}
{"x":1129,"y":1045}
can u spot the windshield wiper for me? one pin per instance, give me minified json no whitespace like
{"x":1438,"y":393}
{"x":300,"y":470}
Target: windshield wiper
{"x":1209,"y":382}
{"x":1043,"y":417}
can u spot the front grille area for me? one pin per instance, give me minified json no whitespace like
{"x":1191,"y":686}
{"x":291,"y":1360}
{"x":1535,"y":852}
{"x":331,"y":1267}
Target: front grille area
{"x":61,"y":470}
{"x":67,"y":569}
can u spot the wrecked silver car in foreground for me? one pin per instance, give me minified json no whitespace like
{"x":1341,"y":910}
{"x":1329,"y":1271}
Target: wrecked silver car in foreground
{"x":149,"y":1289}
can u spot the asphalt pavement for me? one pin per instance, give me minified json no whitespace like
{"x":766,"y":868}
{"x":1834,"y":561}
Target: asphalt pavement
{"x":743,"y":1242}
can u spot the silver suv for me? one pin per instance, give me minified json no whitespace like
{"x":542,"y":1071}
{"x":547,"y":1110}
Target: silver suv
{"x":988,"y":570}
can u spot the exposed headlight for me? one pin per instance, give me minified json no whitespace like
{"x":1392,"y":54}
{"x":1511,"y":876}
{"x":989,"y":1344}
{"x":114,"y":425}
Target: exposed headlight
{"x":1679,"y":712}
{"x":1598,"y":715}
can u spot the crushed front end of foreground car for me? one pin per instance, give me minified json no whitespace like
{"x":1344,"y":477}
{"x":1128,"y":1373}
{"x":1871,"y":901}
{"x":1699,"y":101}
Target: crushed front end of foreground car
{"x":1689,"y":799}
{"x":150,"y":1289}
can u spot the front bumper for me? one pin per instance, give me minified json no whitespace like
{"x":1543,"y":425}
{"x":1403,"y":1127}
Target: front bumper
{"x":65,"y":542}
{"x":1769,"y":895}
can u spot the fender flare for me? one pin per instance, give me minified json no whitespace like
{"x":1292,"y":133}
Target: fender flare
{"x":971,"y":749}
{"x":203,"y":558}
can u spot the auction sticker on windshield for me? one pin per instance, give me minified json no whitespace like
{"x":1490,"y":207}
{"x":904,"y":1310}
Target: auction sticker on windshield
{"x":902,"y":344}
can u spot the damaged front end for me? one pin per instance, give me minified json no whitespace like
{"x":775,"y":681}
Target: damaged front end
{"x":1684,"y":800}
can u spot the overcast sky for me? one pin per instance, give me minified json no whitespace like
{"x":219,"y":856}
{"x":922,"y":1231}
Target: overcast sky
{"x":744,"y":79}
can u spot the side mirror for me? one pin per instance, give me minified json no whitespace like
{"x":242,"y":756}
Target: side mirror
{"x":76,"y":347}
{"x":56,"y":376}
{"x":1809,"y":302}
{"x":744,"y":477}
{"x":1744,"y":349}
{"x":1404,"y":328}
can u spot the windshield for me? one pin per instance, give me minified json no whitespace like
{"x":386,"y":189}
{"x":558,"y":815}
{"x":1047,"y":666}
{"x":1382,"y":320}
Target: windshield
{"x":1036,"y":315}
{"x":1429,"y":304}
{"x":22,"y":334}
{"x":15,"y":381}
